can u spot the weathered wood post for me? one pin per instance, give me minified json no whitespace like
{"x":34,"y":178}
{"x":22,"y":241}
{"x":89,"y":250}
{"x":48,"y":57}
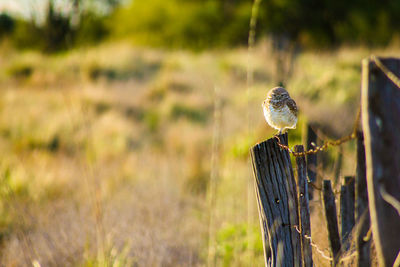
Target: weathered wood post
{"x":347,"y":199}
{"x":311,"y":139}
{"x":381,"y":126}
{"x":362,"y":210}
{"x":304,"y":208}
{"x":331,"y":219}
{"x":277,"y":203}
{"x":338,"y":165}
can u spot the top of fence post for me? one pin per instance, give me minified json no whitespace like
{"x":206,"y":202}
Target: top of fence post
{"x":277,"y":203}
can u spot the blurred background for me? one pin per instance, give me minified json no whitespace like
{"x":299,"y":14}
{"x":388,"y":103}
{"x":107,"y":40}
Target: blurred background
{"x":125,"y":125}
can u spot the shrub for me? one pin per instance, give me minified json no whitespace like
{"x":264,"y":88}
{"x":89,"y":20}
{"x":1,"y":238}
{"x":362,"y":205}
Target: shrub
{"x":7,"y":24}
{"x":92,"y":29}
{"x":193,"y":114}
{"x":20,"y":71}
{"x":27,"y":35}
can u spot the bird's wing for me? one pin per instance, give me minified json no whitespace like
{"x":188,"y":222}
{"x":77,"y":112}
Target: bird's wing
{"x":292,"y":106}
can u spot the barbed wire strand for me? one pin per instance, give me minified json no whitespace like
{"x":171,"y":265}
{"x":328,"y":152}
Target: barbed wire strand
{"x":335,"y":192}
{"x":389,"y":199}
{"x":368,"y":235}
{"x":328,"y":143}
{"x":320,"y":251}
{"x":386,"y":71}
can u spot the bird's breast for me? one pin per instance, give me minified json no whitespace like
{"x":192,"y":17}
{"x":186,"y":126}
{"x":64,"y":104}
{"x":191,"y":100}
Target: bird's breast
{"x":281,"y":117}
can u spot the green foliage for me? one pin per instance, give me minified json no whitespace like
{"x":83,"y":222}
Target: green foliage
{"x":113,"y":258}
{"x":328,"y":81}
{"x":152,"y":120}
{"x":321,"y":23}
{"x":192,"y":114}
{"x":7,"y":24}
{"x":234,"y":240}
{"x":92,"y":29}
{"x":240,"y":147}
{"x":27,"y":35}
{"x":210,"y":23}
{"x":56,"y":30}
{"x":137,"y":69}
{"x":20,"y":70}
{"x":177,"y":23}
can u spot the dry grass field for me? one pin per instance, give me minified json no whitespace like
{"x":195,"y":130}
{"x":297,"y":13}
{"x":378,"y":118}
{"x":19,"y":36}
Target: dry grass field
{"x":125,"y":156}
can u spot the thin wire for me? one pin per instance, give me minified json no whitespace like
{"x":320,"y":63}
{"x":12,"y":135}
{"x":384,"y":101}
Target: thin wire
{"x":386,"y":71}
{"x":336,"y":192}
{"x":326,"y":144}
{"x":348,"y":257}
{"x":368,"y":235}
{"x":313,"y":244}
{"x":389,"y":199}
{"x":320,"y":251}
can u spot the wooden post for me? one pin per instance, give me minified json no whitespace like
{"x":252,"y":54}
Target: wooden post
{"x":304,"y":209}
{"x":381,"y":126}
{"x":311,"y":159}
{"x":331,"y":219}
{"x":347,"y":198}
{"x":338,"y":165}
{"x":277,"y":203}
{"x":362,"y":209}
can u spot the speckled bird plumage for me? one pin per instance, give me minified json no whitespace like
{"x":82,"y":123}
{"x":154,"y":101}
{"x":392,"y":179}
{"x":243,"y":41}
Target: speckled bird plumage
{"x":280,"y":111}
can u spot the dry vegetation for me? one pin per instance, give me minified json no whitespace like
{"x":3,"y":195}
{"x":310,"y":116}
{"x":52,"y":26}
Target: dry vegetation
{"x":108,"y":152}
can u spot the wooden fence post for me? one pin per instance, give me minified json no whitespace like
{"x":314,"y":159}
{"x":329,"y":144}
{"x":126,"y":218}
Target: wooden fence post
{"x":362,"y":209}
{"x":277,"y":203}
{"x":338,"y":165}
{"x":347,"y":199}
{"x":381,"y":126}
{"x":331,"y":219}
{"x":311,"y":159}
{"x":304,"y":208}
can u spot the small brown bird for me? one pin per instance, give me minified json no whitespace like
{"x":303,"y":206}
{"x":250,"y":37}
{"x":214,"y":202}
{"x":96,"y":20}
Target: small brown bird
{"x":280,"y":111}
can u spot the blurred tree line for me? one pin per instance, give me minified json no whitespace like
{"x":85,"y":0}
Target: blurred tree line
{"x":83,"y":23}
{"x":201,"y":24}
